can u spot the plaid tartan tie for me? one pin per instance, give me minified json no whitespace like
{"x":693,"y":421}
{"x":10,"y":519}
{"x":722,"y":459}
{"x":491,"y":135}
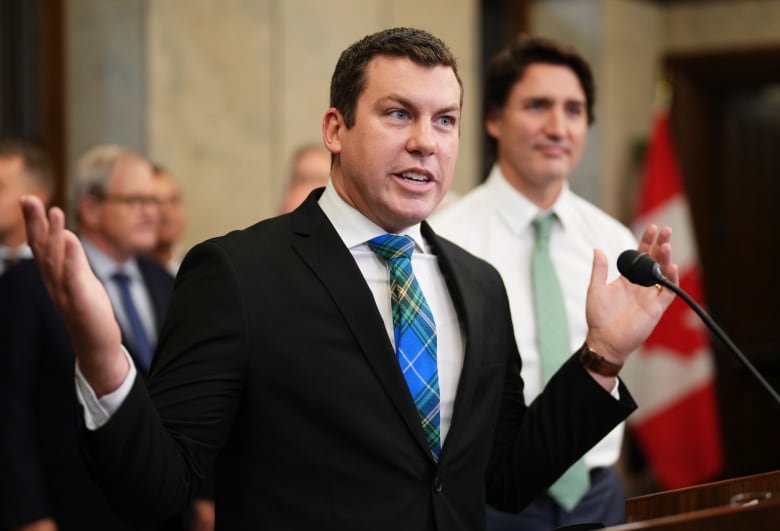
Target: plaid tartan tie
{"x":554,"y":346}
{"x":415,"y":332}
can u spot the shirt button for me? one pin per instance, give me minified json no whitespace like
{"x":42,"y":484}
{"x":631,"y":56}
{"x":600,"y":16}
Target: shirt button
{"x":437,"y":485}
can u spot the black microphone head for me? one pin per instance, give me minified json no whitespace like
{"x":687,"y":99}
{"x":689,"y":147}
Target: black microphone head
{"x":639,"y":268}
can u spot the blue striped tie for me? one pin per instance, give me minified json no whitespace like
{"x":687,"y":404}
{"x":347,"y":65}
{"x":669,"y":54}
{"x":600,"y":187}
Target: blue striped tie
{"x":415,"y":333}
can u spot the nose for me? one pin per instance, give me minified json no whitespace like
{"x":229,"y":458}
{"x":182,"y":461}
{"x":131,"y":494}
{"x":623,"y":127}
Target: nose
{"x":555,"y":126}
{"x":422,"y":139}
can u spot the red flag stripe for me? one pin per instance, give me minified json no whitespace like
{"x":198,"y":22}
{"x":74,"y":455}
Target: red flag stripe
{"x":672,"y":375}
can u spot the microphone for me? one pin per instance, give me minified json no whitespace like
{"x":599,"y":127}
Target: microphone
{"x":640,"y":268}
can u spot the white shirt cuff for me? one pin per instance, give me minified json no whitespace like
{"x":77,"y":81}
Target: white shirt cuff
{"x":616,"y":390}
{"x":97,"y":411}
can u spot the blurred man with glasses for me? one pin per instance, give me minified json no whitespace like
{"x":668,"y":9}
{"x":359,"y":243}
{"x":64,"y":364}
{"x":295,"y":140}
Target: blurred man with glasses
{"x":45,"y":485}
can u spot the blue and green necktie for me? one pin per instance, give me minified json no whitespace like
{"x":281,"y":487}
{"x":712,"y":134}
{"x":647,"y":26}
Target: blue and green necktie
{"x":415,"y":333}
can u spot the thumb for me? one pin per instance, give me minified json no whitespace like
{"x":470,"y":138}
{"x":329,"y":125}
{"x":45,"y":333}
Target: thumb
{"x":598,"y":274}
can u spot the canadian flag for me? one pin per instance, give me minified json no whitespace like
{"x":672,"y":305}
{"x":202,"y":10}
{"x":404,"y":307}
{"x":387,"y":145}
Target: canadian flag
{"x":672,"y":375}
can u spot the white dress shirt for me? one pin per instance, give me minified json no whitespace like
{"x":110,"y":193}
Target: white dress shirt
{"x":355,"y":230}
{"x":24,"y":252}
{"x":104,"y":267}
{"x":493,"y":222}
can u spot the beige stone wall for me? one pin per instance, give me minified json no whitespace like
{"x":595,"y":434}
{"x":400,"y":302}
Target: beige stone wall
{"x":223,"y":91}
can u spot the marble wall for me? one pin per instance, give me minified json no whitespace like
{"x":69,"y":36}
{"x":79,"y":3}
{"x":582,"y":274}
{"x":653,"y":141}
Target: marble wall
{"x":223,"y":91}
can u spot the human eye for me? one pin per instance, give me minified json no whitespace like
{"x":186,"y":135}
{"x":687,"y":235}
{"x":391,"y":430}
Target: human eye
{"x":135,"y":201}
{"x":447,"y":121}
{"x":536,"y":104}
{"x":575,"y":109}
{"x":398,"y":114}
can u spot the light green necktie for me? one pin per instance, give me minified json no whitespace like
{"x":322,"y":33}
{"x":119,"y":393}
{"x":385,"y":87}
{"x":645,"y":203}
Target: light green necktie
{"x":552,"y":331}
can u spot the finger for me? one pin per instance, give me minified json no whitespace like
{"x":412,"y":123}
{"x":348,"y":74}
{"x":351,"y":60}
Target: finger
{"x":36,"y":223}
{"x":75,"y":264}
{"x":55,"y":249}
{"x":598,"y":274}
{"x":664,"y":236}
{"x":648,"y":239}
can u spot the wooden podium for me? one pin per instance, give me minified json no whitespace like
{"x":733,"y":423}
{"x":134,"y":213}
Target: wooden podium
{"x":708,"y":507}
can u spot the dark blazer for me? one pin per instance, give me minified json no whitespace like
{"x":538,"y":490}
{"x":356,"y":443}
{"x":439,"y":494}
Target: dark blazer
{"x":275,"y":362}
{"x":42,"y":474}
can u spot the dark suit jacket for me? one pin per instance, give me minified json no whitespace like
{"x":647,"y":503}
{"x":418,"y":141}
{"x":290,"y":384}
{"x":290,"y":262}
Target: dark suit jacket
{"x":42,"y":474}
{"x":275,"y":363}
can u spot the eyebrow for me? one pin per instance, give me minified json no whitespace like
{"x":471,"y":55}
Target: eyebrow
{"x":404,"y":102}
{"x":551,"y":99}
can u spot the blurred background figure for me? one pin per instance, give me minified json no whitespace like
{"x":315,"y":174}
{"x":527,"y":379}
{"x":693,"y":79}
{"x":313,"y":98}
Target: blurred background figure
{"x":44,"y":483}
{"x":309,"y":169}
{"x":173,"y":219}
{"x":24,"y":169}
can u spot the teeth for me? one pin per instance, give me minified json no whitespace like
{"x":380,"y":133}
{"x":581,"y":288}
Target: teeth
{"x":415,"y":177}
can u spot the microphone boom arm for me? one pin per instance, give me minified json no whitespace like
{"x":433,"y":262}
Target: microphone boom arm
{"x":721,"y":335}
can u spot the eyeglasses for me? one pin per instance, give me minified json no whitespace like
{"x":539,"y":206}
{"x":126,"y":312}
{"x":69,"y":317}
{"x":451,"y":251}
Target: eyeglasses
{"x":171,"y":200}
{"x":132,"y":200}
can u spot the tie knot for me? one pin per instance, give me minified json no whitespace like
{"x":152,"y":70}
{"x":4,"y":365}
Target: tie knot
{"x":542,"y":227}
{"x":392,"y":246}
{"x":121,"y":278}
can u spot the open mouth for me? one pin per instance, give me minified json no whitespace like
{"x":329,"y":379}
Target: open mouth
{"x":413,"y":177}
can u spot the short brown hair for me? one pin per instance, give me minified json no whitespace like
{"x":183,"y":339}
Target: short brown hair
{"x":508,"y":66}
{"x":349,"y":79}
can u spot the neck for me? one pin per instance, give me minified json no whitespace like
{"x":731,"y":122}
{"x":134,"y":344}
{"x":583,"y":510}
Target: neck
{"x":543,"y":195}
{"x":117,"y":255}
{"x":14,"y":240}
{"x":163,"y":253}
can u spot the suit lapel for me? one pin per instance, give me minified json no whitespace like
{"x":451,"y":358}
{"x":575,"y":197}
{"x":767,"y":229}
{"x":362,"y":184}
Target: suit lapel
{"x":470,"y":315}
{"x":319,"y":245}
{"x":159,"y":285}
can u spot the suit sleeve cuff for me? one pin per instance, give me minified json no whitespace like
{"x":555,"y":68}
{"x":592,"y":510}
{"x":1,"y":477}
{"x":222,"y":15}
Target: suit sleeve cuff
{"x":97,"y":411}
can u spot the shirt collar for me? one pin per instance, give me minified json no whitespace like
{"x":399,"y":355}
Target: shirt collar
{"x":23,"y":252}
{"x":104,"y":267}
{"x":353,"y":227}
{"x":517,"y":212}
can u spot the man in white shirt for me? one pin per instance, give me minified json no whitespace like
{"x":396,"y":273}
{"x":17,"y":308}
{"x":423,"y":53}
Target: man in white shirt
{"x":538,"y":103}
{"x":281,"y":364}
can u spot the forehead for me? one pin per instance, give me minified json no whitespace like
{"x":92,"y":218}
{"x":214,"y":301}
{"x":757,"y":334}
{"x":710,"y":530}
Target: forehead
{"x":164,"y":182}
{"x":130,"y":173}
{"x":400,"y":77}
{"x":549,"y":80}
{"x":10,"y":165}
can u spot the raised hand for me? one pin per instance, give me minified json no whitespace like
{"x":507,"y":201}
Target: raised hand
{"x":620,"y":314}
{"x":78,"y":295}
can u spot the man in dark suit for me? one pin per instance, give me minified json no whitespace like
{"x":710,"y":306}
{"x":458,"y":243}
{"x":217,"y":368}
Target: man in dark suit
{"x":45,"y":484}
{"x":278,"y":361}
{"x":25,"y":168}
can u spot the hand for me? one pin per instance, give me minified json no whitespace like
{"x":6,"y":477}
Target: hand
{"x":203,"y":515}
{"x":46,"y":524}
{"x":78,"y":295}
{"x":620,"y":314}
